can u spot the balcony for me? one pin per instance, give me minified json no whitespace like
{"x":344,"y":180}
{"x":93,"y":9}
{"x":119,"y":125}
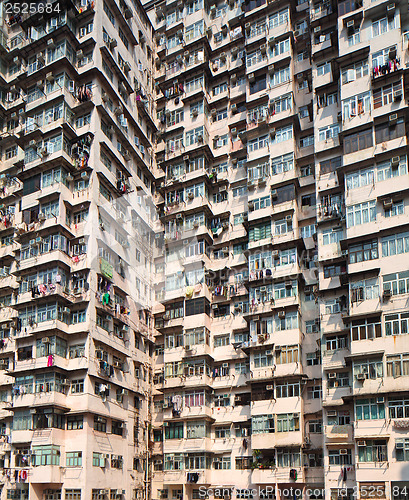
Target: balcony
{"x":339,"y":434}
{"x":333,"y":360}
{"x":276,"y":439}
{"x":46,"y":474}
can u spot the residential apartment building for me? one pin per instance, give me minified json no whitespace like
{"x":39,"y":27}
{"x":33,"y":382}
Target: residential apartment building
{"x":77,"y":226}
{"x":251,"y":336}
{"x":280,"y":359}
{"x":237,"y":380}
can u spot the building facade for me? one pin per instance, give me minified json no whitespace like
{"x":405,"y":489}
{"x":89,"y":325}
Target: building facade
{"x":203,"y":276}
{"x":280,"y":359}
{"x":77,"y":232}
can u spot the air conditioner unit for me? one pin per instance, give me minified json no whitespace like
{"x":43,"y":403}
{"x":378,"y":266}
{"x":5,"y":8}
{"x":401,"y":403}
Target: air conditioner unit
{"x":80,"y":54}
{"x":395,"y":162}
{"x":391,"y":8}
{"x":84,"y":175}
{"x":361,"y":376}
{"x":81,"y":241}
{"x":317,"y":29}
{"x":361,"y":443}
{"x":343,"y":451}
{"x":275,"y":253}
{"x":399,"y":444}
{"x":263,"y":48}
{"x":387,"y":203}
{"x":49,"y":77}
{"x":45,"y":340}
{"x":66,"y":310}
{"x":247,"y":27}
{"x":393,"y":118}
{"x":281,"y":314}
{"x":223,"y":56}
{"x":332,"y":375}
{"x":234,"y":132}
{"x":191,"y":196}
{"x":41,"y":217}
{"x":234,"y":108}
{"x":251,"y":77}
{"x":380,"y":399}
{"x":332,"y":413}
{"x":269,"y":387}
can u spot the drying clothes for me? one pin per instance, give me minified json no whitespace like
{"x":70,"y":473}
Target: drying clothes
{"x":189,"y":292}
{"x":50,"y":360}
{"x":177,"y":402}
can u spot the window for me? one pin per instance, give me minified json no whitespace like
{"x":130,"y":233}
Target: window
{"x":385,"y":170}
{"x":395,"y":245}
{"x":73,"y":459}
{"x":258,"y":143}
{"x":314,"y":392}
{"x":328,"y":132}
{"x":174,"y":431}
{"x":330,"y":236}
{"x":98,"y":459}
{"x":262,"y":424}
{"x":280,"y":76}
{"x":370,"y":409}
{"x":288,"y":458}
{"x":370,"y":369}
{"x":360,"y":178}
{"x":357,"y":70}
{"x":77,"y":386}
{"x":100,"y":424}
{"x":382,"y":26}
{"x":196,"y":430}
{"x":222,"y":463}
{"x":117,"y":427}
{"x":362,"y":213}
{"x":307,"y":141}
{"x":287,"y":390}
{"x":313,"y":358}
{"x":72,"y":494}
{"x":222,"y":432}
{"x":243,"y":463}
{"x":397,"y":283}
{"x":263,"y":359}
{"x":364,"y":290}
{"x":221,"y":340}
{"x":363,"y":252}
{"x":397,"y":208}
{"x":387,"y":132}
{"x":284,"y":163}
{"x":283,"y":134}
{"x":356,"y":105}
{"x":75,"y":422}
{"x":402,"y":450}
{"x":373,"y":451}
{"x":366,"y":329}
{"x":336,"y":458}
{"x":259,"y":84}
{"x":315,"y":426}
{"x":260,"y":232}
{"x":323,"y":69}
{"x":397,"y":365}
{"x":45,"y":455}
{"x":335,"y":343}
{"x":288,"y":354}
{"x":358,"y":141}
{"x":386,"y":94}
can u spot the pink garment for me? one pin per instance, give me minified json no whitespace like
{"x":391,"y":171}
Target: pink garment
{"x":50,"y":360}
